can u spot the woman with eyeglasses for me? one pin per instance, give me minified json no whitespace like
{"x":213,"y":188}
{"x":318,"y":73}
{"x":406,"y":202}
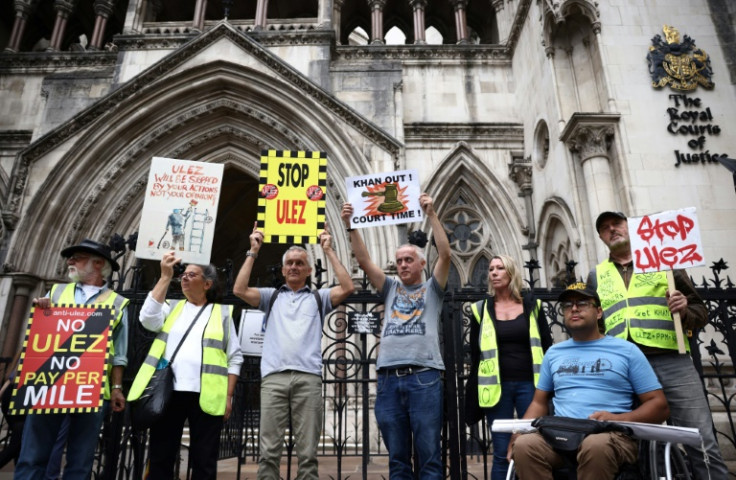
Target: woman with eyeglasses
{"x":508,"y":337}
{"x":206,"y":367}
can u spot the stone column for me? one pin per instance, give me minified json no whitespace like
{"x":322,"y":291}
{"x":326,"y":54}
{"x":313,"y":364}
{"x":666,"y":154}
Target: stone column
{"x":604,"y":61}
{"x":418,"y":7}
{"x":103,"y":10}
{"x":23,"y":9}
{"x":520,"y":171}
{"x":503,"y":19}
{"x":461,"y":20}
{"x":336,"y":18}
{"x":199,"y":9}
{"x":589,"y":136}
{"x":550,"y":53}
{"x":23,"y":285}
{"x":63,"y":8}
{"x":324,"y":15}
{"x":261,"y":10}
{"x":377,"y":7}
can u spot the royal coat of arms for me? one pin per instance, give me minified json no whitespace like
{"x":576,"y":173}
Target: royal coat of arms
{"x":681,"y":65}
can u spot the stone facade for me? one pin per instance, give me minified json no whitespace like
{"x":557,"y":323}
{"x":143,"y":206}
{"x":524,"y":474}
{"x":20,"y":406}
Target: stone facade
{"x":529,"y":119}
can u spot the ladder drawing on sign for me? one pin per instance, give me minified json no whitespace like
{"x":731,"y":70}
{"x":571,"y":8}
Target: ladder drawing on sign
{"x":196,"y":234}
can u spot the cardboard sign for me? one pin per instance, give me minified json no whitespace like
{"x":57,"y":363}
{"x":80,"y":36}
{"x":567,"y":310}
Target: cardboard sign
{"x":63,"y":365}
{"x":179,"y":210}
{"x":292,"y":191}
{"x":251,"y":332}
{"x":384,"y":198}
{"x":666,"y":241}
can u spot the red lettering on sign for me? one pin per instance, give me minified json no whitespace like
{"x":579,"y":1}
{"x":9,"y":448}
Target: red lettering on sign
{"x":652,"y":258}
{"x":187,"y":169}
{"x":681,"y":226}
{"x":291,"y":211}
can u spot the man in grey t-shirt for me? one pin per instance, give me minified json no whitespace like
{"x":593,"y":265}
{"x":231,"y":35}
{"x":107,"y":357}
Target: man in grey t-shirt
{"x":291,"y":366}
{"x":409,"y":393}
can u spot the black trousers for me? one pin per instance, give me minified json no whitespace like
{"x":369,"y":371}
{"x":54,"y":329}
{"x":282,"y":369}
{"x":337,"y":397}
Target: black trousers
{"x":165,"y":437}
{"x":12,"y":450}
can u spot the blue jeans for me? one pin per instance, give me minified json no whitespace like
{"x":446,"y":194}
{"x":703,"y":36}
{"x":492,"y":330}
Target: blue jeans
{"x":689,"y":408}
{"x":514,"y":396}
{"x":53,"y":469}
{"x":39,"y":436}
{"x":411,"y":407}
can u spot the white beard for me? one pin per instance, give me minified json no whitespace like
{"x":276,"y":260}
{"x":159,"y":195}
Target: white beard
{"x":79,"y":276}
{"x":73,"y":274}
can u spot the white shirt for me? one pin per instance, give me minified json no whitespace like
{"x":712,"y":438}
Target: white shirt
{"x":187,"y":365}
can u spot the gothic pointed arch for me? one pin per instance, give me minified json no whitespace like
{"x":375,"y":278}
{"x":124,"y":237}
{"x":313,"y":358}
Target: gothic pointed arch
{"x":560,"y":241}
{"x":183,"y":107}
{"x":476,"y":209}
{"x":569,"y":32}
{"x":558,"y":12}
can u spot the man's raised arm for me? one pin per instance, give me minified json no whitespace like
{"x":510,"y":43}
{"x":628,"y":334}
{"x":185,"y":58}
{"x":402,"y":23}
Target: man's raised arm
{"x":375,"y":274}
{"x":442,"y":267}
{"x":339,"y":292}
{"x":250,"y":295}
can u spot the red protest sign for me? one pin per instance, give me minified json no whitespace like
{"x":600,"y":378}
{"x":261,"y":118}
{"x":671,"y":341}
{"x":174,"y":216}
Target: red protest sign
{"x":62,"y":368}
{"x":666,"y":241}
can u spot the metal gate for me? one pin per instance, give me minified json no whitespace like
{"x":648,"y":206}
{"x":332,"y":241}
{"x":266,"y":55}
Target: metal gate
{"x":349,"y":381}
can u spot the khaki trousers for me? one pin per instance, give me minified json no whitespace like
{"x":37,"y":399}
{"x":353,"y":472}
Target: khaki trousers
{"x":599,"y":457}
{"x":301,"y":395}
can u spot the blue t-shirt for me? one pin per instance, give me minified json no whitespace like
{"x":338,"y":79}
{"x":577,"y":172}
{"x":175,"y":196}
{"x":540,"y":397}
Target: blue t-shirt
{"x":293,"y":337}
{"x":597,"y":375}
{"x":410,"y":334}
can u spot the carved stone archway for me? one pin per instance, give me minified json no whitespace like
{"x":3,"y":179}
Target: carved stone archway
{"x":86,"y":178}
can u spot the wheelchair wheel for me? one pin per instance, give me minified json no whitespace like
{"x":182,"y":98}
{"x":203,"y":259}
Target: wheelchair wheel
{"x":680,"y":467}
{"x":677,"y":469}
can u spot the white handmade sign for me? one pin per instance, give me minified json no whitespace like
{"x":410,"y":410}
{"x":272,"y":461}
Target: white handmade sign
{"x":179,"y":210}
{"x":384,"y":198}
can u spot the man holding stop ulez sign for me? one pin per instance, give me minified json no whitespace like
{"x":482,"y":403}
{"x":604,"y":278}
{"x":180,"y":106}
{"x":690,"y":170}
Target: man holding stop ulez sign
{"x":639,"y":307}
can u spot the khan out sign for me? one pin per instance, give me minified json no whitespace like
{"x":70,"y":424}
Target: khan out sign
{"x":387,"y":198}
{"x":666,"y":241}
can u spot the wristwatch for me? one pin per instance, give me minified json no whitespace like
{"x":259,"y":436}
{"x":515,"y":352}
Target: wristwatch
{"x":116,"y":387}
{"x":251,"y":254}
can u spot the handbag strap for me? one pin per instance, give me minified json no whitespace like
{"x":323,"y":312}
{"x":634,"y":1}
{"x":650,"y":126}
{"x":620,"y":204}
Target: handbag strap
{"x":187,"y":332}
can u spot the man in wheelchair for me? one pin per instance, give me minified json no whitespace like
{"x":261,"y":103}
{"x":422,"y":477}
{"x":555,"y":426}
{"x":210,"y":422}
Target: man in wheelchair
{"x":589,"y":376}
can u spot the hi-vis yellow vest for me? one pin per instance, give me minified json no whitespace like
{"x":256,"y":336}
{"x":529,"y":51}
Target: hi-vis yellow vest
{"x":213,"y":386}
{"x":640,"y":312}
{"x":63,"y":294}
{"x":489,"y":375}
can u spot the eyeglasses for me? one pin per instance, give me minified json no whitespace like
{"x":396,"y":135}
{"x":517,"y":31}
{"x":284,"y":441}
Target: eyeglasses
{"x":581,"y":304}
{"x":77,"y":257}
{"x":189,"y":275}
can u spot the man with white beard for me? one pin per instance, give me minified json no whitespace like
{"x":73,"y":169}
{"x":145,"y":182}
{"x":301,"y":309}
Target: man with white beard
{"x":89,"y":265}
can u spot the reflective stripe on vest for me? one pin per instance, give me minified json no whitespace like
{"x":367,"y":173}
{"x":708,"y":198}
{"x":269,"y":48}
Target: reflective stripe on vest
{"x":489,"y":374}
{"x":63,"y":294}
{"x":213,"y":374}
{"x":641,"y":311}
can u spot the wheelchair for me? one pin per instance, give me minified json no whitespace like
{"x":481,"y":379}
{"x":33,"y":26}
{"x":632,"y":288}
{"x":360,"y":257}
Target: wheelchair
{"x":657,"y":460}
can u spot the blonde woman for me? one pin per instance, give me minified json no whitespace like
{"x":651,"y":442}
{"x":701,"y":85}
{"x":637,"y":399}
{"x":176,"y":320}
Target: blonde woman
{"x":508,"y":337}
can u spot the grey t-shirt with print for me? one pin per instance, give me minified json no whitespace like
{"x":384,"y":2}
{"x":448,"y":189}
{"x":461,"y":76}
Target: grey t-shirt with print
{"x":410,"y":334}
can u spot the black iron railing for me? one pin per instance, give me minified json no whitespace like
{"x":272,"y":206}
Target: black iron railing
{"x":349,"y":381}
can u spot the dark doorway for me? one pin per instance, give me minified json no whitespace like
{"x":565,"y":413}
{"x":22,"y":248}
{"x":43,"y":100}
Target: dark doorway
{"x":235,"y":218}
